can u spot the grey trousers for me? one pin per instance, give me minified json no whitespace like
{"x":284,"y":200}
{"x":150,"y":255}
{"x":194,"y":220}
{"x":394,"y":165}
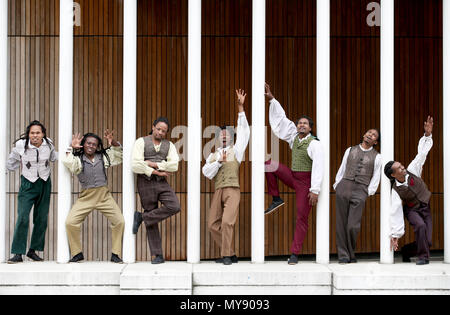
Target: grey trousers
{"x":350,"y":201}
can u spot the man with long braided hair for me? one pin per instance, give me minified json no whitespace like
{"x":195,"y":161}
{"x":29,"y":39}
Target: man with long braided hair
{"x":411,"y":198}
{"x":33,"y":152}
{"x":88,"y":159}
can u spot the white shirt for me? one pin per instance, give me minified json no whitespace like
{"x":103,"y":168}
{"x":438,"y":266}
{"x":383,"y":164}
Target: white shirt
{"x":211,"y":168}
{"x":374,"y":182}
{"x":286,"y":130}
{"x":416,"y":166}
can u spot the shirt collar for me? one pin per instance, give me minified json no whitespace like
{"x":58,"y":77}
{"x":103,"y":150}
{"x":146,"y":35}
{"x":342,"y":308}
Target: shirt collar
{"x":404,"y":183}
{"x":301,"y":140}
{"x":44,"y":144}
{"x":365,"y":150}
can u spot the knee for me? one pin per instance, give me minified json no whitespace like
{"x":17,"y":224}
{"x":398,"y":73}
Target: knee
{"x":420,"y":227}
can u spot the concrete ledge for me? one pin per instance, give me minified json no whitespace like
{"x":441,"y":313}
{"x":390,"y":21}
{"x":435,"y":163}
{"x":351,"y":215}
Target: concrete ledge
{"x":145,"y":278}
{"x":271,"y":278}
{"x":53,"y":278}
{"x":396,"y":279}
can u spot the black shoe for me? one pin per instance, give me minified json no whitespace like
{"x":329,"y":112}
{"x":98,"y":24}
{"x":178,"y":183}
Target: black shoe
{"x":422,"y":262}
{"x":116,"y":259}
{"x":293,"y":260}
{"x":353,"y":261}
{"x":15,"y":259}
{"x":274,"y":206}
{"x":227,"y":261}
{"x":344,"y":261}
{"x":159,"y":259}
{"x":234,"y":260}
{"x":137,"y":221}
{"x":77,"y":258}
{"x":32,"y":255}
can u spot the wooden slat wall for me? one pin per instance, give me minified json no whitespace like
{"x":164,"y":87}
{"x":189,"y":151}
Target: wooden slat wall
{"x":418,"y":93}
{"x":33,"y":92}
{"x":226,"y":65}
{"x":162,"y":91}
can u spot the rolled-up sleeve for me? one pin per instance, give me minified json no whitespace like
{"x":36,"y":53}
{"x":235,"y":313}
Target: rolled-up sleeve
{"x":171,"y":164}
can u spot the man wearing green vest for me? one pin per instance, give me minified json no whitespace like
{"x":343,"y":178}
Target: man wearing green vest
{"x":222,"y":166}
{"x":306,"y":174}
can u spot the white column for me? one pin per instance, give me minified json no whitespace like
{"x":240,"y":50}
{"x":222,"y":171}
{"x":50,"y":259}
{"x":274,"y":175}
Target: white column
{"x":446,"y":127}
{"x":258,"y":141}
{"x":386,"y":122}
{"x":65,"y":122}
{"x":323,"y":129}
{"x":129,"y":125}
{"x":3,"y":121}
{"x":194,"y":142}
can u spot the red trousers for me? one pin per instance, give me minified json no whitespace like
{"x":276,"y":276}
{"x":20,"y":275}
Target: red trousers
{"x":301,"y":183}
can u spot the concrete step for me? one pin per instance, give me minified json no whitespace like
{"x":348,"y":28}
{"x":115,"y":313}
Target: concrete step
{"x":269,"y":278}
{"x":375,"y":278}
{"x":53,"y":278}
{"x":168,"y":278}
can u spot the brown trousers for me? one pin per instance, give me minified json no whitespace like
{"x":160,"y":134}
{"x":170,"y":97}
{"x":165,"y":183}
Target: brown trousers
{"x":151,"y":192}
{"x":222,"y":218}
{"x":350,"y":201}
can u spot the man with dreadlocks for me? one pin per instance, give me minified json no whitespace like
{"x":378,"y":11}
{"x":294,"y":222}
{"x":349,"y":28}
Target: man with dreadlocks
{"x":33,"y":152}
{"x":88,"y":159}
{"x":306,"y":173}
{"x":154,"y":158}
{"x":411,"y":198}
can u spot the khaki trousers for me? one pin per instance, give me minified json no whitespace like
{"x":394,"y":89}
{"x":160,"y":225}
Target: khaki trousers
{"x":95,"y":198}
{"x":222,"y":218}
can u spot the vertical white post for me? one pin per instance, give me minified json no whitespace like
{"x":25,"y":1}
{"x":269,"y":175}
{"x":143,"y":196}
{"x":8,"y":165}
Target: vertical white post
{"x":194,"y":143}
{"x":258,"y":144}
{"x":65,"y":122}
{"x":129,"y":125}
{"x":446,"y":127}
{"x":3,"y":121}
{"x":386,"y":122}
{"x":323,"y":129}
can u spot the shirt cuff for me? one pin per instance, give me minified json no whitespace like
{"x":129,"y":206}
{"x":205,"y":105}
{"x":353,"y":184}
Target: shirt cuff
{"x":314,"y":191}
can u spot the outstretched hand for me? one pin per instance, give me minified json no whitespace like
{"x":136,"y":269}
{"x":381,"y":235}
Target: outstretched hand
{"x":109,"y":135}
{"x":241,"y":95}
{"x":428,"y":126}
{"x":76,"y":141}
{"x":268,"y":93}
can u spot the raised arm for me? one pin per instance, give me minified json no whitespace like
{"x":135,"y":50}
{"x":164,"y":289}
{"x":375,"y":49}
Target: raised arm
{"x":243,"y":129}
{"x":282,"y":127}
{"x":425,"y":145}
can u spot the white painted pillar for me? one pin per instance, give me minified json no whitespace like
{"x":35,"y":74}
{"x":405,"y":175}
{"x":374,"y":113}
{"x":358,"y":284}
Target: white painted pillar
{"x":386,"y":122}
{"x":323,"y":129}
{"x":3,"y":121}
{"x":65,"y":122}
{"x":194,"y":142}
{"x":129,"y":126}
{"x":258,"y":141}
{"x":446,"y":126}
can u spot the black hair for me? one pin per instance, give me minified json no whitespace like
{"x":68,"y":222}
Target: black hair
{"x":26,"y":135}
{"x":379,"y":135}
{"x":159,"y":120}
{"x":311,"y":124}
{"x":388,"y":172}
{"x":100,"y":149}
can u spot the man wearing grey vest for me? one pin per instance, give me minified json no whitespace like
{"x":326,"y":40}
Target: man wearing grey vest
{"x":87,"y":159}
{"x":411,"y":198}
{"x":306,"y":174}
{"x":357,"y":178}
{"x":33,"y":153}
{"x":154,"y":158}
{"x":222,"y":166}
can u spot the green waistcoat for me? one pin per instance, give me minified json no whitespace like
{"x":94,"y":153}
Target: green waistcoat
{"x":228,"y":174}
{"x":301,"y":162}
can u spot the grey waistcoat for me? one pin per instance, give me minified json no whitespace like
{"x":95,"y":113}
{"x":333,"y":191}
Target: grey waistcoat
{"x":360,"y":165}
{"x":150,"y":153}
{"x":93,"y":175}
